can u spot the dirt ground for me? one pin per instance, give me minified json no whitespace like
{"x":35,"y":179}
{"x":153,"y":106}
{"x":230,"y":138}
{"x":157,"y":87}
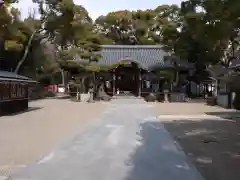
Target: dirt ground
{"x":213,"y":144}
{"x":27,"y":137}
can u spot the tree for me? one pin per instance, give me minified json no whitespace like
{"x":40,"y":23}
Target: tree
{"x":211,"y":35}
{"x":125,"y":27}
{"x":116,"y":26}
{"x":11,"y":34}
{"x":15,"y":36}
{"x":35,"y":28}
{"x":167,"y":26}
{"x":70,"y":28}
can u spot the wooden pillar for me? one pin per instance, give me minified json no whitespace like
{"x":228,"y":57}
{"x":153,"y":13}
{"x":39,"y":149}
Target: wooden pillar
{"x":113,"y":84}
{"x":139,"y":84}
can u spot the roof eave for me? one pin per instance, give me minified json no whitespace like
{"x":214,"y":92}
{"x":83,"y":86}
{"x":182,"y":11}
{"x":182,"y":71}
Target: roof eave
{"x":132,"y":46}
{"x":18,"y":80}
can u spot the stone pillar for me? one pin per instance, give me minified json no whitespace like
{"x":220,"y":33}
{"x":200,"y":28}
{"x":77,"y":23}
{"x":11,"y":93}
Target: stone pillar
{"x":113,"y":84}
{"x":166,"y":92}
{"x":166,"y":100}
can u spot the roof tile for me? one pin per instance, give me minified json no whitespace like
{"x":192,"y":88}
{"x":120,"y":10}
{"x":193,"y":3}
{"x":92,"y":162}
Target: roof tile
{"x":145,"y":55}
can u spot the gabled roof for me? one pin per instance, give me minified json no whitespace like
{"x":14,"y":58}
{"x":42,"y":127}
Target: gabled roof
{"x":144,"y":55}
{"x":148,"y":57}
{"x":10,"y":76}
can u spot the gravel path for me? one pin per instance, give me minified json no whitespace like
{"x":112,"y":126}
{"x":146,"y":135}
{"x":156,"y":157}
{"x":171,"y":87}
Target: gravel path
{"x":127,"y":143}
{"x":26,"y":137}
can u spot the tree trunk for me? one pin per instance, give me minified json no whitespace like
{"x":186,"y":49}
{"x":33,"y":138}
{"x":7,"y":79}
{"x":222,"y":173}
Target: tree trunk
{"x":78,"y":94}
{"x":66,"y":81}
{"x":176,"y":79}
{"x":83,"y":90}
{"x":27,"y":47}
{"x":25,"y":52}
{"x":63,"y":79}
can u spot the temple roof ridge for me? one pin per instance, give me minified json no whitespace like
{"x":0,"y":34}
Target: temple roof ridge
{"x":133,"y":46}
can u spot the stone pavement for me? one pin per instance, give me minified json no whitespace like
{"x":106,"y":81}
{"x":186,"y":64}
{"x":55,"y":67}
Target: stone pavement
{"x":127,"y":143}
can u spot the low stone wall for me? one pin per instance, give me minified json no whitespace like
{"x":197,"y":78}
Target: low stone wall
{"x":171,"y":97}
{"x":177,"y":97}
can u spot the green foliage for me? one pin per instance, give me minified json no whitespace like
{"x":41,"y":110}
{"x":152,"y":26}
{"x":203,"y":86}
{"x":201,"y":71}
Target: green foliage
{"x":206,"y":36}
{"x":49,"y":94}
{"x":201,"y":31}
{"x":126,"y":27}
{"x":15,"y":34}
{"x":70,"y":28}
{"x":12,"y":29}
{"x":212,"y":33}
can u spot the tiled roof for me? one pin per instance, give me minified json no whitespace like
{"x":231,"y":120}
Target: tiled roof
{"x":173,"y":62}
{"x":5,"y":75}
{"x":148,"y":57}
{"x":144,"y":56}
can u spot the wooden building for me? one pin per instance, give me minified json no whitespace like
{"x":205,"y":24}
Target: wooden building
{"x":233,"y":81}
{"x":132,"y":74}
{"x":13,"y":92}
{"x":137,"y":70}
{"x":221,"y":77}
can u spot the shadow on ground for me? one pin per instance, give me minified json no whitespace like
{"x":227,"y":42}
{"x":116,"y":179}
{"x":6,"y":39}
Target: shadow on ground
{"x":213,"y":145}
{"x":25,"y":111}
{"x":156,"y":157}
{"x":225,"y":114}
{"x":62,"y":97}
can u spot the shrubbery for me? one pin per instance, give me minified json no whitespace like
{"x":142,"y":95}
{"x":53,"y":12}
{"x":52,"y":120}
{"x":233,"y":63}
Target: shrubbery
{"x":38,"y":92}
{"x":48,"y":94}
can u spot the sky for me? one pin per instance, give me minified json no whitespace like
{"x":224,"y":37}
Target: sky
{"x":102,"y":7}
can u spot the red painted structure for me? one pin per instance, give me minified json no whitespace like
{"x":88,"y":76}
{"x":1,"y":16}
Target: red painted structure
{"x":52,"y":88}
